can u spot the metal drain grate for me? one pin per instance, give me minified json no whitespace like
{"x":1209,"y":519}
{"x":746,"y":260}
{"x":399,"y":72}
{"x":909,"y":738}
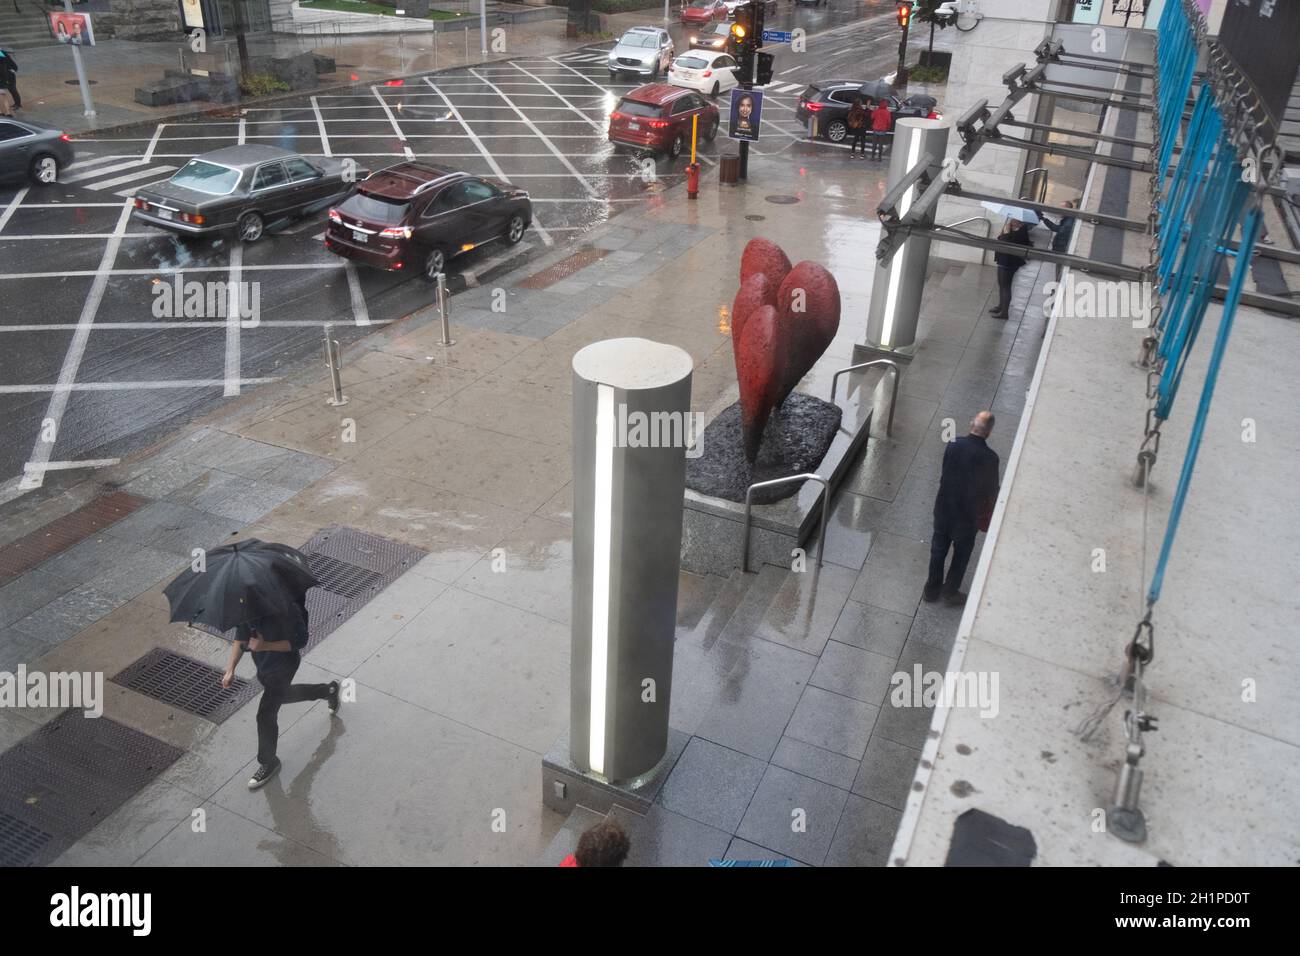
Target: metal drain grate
{"x":782,"y":200}
{"x":73,"y":772}
{"x":60,"y":534}
{"x":20,"y":843}
{"x":187,"y":684}
{"x":342,"y":578}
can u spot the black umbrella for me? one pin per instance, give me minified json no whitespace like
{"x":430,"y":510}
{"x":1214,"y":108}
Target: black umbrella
{"x":875,"y":90}
{"x":248,"y":584}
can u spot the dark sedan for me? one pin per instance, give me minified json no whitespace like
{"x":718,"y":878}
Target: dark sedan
{"x":32,"y":151}
{"x":243,"y":189}
{"x":828,"y":103}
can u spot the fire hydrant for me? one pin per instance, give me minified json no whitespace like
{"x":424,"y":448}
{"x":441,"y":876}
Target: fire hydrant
{"x":693,"y":181}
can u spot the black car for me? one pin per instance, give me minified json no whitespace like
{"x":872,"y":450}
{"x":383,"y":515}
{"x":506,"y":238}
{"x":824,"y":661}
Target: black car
{"x":829,"y":102}
{"x":32,"y":151}
{"x":414,"y":216}
{"x":242,"y":189}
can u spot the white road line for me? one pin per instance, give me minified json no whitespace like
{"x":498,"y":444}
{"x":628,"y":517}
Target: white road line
{"x":70,"y":465}
{"x":483,"y":151}
{"x":793,"y":68}
{"x":130,"y":177}
{"x":70,"y":205}
{"x":102,"y":171}
{"x":61,"y":392}
{"x":83,"y":163}
{"x":790,"y":88}
{"x":393,"y":119}
{"x":320,"y":125}
{"x":233,"y":359}
{"x":153,"y":143}
{"x":13,"y":205}
{"x":72,"y":358}
{"x":242,"y":130}
{"x":556,"y":93}
{"x":542,"y":136}
{"x":471,"y":275}
{"x":84,"y":235}
{"x":359,"y":311}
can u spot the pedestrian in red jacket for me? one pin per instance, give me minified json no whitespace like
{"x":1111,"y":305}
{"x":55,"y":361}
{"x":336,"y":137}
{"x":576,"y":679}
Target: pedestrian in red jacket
{"x":605,"y":844}
{"x":882,"y":121}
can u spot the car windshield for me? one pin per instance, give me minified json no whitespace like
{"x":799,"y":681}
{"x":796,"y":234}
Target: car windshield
{"x":692,"y":62}
{"x":378,"y":209}
{"x":637,"y":108}
{"x":207,"y":178}
{"x":640,"y":39}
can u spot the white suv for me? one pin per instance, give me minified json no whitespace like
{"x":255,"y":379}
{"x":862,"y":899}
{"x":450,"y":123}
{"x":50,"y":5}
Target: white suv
{"x":645,"y":51}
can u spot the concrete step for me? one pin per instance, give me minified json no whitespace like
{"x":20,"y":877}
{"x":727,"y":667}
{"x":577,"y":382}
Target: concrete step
{"x":762,"y":589}
{"x":714,"y":621}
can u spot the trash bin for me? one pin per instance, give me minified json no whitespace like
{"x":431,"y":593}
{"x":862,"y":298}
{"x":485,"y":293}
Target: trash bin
{"x":729,"y":169}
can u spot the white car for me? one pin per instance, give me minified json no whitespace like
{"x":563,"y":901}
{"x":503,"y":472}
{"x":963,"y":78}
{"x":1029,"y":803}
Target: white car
{"x":645,"y":51}
{"x":704,"y":70}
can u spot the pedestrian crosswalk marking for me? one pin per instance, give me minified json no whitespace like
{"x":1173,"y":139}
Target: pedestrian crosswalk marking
{"x":101,"y":171}
{"x":129,"y":177}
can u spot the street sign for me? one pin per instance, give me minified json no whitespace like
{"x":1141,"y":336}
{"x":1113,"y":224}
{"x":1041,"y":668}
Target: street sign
{"x":777,"y":36}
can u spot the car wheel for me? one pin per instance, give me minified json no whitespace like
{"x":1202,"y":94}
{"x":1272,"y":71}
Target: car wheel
{"x":711,"y":132}
{"x":435,"y":261}
{"x":677,"y":145}
{"x":250,"y":227}
{"x":717,"y":88}
{"x":44,"y":170}
{"x":836,"y":131}
{"x":515,"y":230}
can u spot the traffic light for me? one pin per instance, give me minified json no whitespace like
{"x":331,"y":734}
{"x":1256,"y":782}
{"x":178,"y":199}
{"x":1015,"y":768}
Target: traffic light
{"x":742,"y":30}
{"x":904,"y":15}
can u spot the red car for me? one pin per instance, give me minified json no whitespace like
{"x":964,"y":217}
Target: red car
{"x":703,"y":11}
{"x":657,"y":117}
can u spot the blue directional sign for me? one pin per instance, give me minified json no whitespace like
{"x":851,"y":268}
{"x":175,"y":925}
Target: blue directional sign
{"x":777,"y":36}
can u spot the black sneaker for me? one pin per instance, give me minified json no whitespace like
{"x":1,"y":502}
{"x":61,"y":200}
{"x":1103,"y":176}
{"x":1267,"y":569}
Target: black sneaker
{"x":930,"y":594}
{"x":955,"y":598}
{"x":263,"y":775}
{"x":997,"y":313}
{"x":334,"y":699}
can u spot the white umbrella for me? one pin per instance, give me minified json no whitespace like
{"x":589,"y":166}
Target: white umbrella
{"x":1012,"y":212}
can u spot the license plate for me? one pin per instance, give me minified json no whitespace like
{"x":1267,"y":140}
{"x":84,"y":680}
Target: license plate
{"x":358,"y":236}
{"x":633,"y":125}
{"x":164,"y":213}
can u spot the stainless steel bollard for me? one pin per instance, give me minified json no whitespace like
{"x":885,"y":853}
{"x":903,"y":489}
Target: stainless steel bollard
{"x":444,"y":309}
{"x":334,"y":360}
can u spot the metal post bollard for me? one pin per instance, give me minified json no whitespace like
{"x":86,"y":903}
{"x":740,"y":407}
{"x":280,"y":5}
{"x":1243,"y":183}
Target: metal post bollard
{"x":444,"y":310}
{"x":335,"y":362}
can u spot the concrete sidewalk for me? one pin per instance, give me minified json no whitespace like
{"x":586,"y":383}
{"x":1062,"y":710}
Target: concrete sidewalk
{"x":461,"y":664}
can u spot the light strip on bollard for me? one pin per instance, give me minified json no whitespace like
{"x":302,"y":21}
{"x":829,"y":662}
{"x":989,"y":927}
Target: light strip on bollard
{"x":602,"y":542}
{"x":896,"y":264}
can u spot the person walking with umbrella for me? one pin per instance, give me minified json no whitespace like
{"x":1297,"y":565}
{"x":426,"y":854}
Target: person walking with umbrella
{"x":1009,"y":264}
{"x":257,"y":590}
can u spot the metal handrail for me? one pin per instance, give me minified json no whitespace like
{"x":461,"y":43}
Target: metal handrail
{"x":1042,"y":192}
{"x":988,"y":232}
{"x":893,"y":398}
{"x":826,"y":495}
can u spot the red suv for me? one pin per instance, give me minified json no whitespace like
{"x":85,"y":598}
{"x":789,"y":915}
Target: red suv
{"x":657,"y":117}
{"x":414,"y":216}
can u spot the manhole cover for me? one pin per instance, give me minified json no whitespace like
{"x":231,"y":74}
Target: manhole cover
{"x":75,"y":82}
{"x":782,"y":200}
{"x":755,"y":217}
{"x":187,"y":684}
{"x":20,"y":843}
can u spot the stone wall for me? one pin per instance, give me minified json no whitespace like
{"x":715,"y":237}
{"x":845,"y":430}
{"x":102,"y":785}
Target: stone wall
{"x":140,"y":20}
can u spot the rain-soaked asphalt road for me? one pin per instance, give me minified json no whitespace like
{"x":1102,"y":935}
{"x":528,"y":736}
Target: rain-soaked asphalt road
{"x":83,"y":359}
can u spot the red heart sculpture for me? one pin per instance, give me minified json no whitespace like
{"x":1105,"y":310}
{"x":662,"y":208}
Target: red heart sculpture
{"x":760,"y":370}
{"x":777,"y":336}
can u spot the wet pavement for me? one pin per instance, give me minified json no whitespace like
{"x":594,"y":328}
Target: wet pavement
{"x":93,"y":368}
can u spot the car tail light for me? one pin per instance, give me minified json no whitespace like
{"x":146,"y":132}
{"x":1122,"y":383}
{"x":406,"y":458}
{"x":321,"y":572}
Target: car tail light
{"x":657,"y":124}
{"x":708,"y":72}
{"x":140,"y":203}
{"x":335,"y":216}
{"x":193,"y":218}
{"x":934,"y":115}
{"x":396,"y":232}
{"x":65,"y":137}
{"x":813,"y":107}
{"x":397,"y":265}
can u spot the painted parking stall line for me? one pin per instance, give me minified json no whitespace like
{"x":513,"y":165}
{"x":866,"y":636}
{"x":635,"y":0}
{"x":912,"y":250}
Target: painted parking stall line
{"x":401,"y":137}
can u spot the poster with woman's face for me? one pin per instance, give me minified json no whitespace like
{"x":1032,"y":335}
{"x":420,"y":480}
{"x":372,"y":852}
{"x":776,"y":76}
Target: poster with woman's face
{"x":746,"y":111}
{"x":72,"y":28}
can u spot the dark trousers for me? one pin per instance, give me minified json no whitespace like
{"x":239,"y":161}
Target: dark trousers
{"x":12,"y":87}
{"x":1006,"y":275}
{"x":859,"y":140}
{"x":961,"y":539}
{"x":878,"y":145}
{"x":275,"y":674}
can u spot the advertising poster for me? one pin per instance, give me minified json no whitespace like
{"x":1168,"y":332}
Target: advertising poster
{"x":746,"y":114}
{"x":72,"y":28}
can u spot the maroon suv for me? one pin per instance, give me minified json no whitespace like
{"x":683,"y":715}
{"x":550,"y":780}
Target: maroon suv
{"x":657,"y":117}
{"x":414,"y":216}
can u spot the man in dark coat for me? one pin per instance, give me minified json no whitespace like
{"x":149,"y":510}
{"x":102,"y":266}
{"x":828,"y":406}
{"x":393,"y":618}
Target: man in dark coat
{"x":9,"y":76}
{"x":1017,"y":232}
{"x":1062,"y":232}
{"x":967,"y":491}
